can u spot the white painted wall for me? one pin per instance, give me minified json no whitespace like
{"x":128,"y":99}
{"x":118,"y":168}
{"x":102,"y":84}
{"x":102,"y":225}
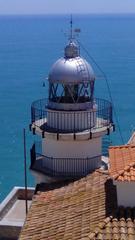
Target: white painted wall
{"x":86,"y":155}
{"x":71,"y":149}
{"x":125,"y":193}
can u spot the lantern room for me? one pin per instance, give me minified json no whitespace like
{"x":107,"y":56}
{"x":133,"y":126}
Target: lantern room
{"x":71,"y":81}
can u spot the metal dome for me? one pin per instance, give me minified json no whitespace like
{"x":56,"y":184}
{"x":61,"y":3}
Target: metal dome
{"x":71,"y":70}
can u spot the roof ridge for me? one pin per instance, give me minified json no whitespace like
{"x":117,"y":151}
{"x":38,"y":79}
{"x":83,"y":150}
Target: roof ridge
{"x":100,"y":226}
{"x":124,"y":145}
{"x":126,"y":168}
{"x":114,"y":217}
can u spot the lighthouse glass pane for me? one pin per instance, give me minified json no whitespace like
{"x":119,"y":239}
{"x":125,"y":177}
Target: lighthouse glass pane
{"x":55,"y":91}
{"x":71,"y":93}
{"x":84,"y":92}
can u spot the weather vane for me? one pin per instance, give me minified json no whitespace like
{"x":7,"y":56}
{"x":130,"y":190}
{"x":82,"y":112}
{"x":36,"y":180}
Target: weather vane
{"x":71,"y":27}
{"x":73,"y":33}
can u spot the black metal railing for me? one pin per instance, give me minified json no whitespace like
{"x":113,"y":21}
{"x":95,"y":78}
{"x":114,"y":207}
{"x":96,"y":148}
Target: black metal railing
{"x":62,"y":167}
{"x":71,"y":121}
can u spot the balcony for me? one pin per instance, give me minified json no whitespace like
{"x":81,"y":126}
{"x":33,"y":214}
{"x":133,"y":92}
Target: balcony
{"x":98,"y":115}
{"x":61,"y":167}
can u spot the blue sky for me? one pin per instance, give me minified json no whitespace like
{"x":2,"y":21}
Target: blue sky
{"x":66,"y":6}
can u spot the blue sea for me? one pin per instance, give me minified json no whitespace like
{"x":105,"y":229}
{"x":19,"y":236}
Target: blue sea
{"x":29,"y":45}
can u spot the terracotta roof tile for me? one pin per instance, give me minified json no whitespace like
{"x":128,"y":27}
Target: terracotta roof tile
{"x":72,"y":211}
{"x":122,"y":162}
{"x":82,"y":210}
{"x":119,"y":227}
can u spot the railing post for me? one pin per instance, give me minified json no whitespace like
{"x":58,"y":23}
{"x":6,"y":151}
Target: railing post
{"x":90,"y":134}
{"x":113,"y":127}
{"x":53,"y":165}
{"x":43,"y":134}
{"x":33,"y":131}
{"x":74,"y":127}
{"x":57,"y":126}
{"x":108,"y":131}
{"x":33,"y":154}
{"x":90,"y":121}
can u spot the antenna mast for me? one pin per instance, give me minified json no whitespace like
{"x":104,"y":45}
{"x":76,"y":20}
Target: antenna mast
{"x":25,"y":171}
{"x":71,"y":28}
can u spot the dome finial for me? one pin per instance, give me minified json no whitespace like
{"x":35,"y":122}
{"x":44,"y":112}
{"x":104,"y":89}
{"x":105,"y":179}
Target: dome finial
{"x":72,"y":48}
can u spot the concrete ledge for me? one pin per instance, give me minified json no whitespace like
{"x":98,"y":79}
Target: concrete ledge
{"x":12,"y":212}
{"x":16,"y":193}
{"x":80,"y":136}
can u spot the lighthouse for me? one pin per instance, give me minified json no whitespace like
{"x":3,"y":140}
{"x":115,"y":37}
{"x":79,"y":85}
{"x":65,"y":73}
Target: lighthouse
{"x":71,"y":122}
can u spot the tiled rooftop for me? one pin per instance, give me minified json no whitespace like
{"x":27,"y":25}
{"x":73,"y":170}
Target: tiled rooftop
{"x":122,"y":162}
{"x":72,"y":211}
{"x":120,"y":226}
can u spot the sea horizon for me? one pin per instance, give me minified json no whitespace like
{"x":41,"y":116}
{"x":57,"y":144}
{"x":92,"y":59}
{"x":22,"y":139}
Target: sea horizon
{"x":68,"y":14}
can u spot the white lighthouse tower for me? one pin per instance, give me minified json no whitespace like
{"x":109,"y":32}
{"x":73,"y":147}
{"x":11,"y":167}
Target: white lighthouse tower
{"x":71,"y":122}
